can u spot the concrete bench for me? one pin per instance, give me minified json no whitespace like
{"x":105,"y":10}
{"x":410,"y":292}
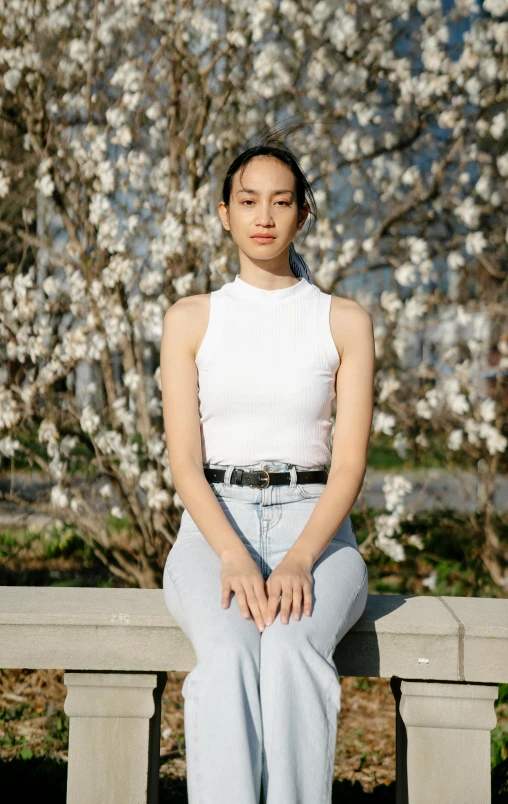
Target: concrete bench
{"x":445,"y":657}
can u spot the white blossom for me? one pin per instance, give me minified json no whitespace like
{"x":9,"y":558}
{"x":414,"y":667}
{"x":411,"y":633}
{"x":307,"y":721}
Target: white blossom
{"x":498,"y":124}
{"x":385,"y":541}
{"x":89,"y":420}
{"x":10,"y":413}
{"x":471,"y":428}
{"x":388,"y":386}
{"x":11,"y":79}
{"x":117,"y":512}
{"x":502,"y":164}
{"x":423,"y":409}
{"x":395,"y":488}
{"x":416,"y":540}
{"x":455,"y":439}
{"x":455,"y":260}
{"x":498,"y":8}
{"x":383,"y":422}
{"x":106,"y":491}
{"x":475,"y":242}
{"x":430,"y":581}
{"x":496,"y":442}
{"x":469,"y":213}
{"x":488,"y":410}
{"x":8,"y":446}
{"x":131,"y":380}
{"x":59,"y":497}
{"x":5,"y":181}
{"x":400,"y":445}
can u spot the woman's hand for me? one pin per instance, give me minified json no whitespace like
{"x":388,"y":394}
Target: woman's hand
{"x":240,"y":574}
{"x":291,"y":579}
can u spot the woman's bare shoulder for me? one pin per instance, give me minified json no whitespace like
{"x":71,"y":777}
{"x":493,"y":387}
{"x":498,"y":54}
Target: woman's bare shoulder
{"x":347,"y":319}
{"x":193,"y":313}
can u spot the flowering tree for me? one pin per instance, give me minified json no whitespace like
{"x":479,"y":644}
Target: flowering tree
{"x":119,"y":118}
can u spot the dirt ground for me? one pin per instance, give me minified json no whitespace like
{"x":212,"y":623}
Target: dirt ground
{"x":32,"y":705}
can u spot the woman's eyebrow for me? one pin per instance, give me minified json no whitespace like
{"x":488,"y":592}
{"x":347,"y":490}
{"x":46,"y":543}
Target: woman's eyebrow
{"x":255,"y":192}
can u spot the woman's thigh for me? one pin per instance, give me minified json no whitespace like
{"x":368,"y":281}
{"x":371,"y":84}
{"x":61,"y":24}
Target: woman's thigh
{"x":193,"y":589}
{"x":339,"y":596}
{"x":193,"y":592}
{"x":340,"y":577}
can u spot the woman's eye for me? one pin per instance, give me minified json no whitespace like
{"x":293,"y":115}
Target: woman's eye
{"x":248,"y":201}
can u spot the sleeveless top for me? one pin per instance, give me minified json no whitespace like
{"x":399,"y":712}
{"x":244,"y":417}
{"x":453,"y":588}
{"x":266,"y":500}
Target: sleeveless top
{"x":266,"y":373}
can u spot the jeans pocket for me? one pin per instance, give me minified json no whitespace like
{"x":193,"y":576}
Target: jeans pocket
{"x":217,"y":487}
{"x":311,"y":491}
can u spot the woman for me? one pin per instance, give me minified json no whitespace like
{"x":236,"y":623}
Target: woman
{"x":248,"y":376}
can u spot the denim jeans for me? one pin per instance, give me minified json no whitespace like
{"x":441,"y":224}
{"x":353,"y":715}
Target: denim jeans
{"x":260,"y":709}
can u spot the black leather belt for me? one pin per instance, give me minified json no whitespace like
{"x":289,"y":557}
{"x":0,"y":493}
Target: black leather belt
{"x":261,"y":478}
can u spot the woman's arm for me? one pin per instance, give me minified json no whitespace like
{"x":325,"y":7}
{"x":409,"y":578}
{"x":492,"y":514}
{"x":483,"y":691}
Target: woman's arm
{"x":352,"y":328}
{"x":180,"y":405}
{"x":179,"y":383}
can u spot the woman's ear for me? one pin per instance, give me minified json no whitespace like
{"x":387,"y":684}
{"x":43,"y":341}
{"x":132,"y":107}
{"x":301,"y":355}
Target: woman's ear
{"x":224,"y":215}
{"x":302,"y":214}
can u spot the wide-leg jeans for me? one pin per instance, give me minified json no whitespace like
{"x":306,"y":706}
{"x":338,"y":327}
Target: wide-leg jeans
{"x":261,"y":709}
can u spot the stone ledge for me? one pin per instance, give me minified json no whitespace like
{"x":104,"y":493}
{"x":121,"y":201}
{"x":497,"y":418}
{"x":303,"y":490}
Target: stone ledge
{"x":424,"y":638}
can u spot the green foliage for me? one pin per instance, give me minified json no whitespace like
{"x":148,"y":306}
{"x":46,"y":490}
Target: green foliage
{"x":499,"y":736}
{"x":63,"y":542}
{"x":21,"y":711}
{"x":59,"y":729}
{"x":452,"y":549}
{"x":499,"y":745}
{"x":364,"y":683}
{"x":383,"y":456}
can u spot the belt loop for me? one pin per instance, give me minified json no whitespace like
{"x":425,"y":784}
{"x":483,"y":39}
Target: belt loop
{"x":227,"y":475}
{"x":292,"y":472}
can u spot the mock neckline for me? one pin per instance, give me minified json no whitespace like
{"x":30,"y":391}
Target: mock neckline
{"x":244,"y":290}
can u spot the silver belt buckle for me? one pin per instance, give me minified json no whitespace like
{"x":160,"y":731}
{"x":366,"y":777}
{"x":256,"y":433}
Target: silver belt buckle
{"x":267,"y":480}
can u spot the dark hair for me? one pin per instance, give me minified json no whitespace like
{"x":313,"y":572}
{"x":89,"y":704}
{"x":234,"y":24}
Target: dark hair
{"x":268,"y":143}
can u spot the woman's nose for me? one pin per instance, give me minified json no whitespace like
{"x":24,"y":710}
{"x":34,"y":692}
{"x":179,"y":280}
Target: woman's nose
{"x":264,"y":215}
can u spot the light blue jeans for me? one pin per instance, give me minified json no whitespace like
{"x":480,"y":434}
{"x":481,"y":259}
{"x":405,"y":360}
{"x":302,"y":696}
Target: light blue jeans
{"x":260,"y":709}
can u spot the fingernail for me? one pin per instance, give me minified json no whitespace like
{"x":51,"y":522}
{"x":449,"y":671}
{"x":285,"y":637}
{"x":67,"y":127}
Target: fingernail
{"x":269,"y":621}
{"x":261,"y":628}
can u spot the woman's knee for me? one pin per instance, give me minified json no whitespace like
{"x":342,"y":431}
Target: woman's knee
{"x":230,"y":651}
{"x":280,"y":640}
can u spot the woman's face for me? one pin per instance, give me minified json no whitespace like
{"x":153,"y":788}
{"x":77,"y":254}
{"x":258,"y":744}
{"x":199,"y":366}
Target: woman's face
{"x":264,"y":203}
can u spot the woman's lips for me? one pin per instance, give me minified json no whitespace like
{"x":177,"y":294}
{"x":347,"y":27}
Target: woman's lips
{"x":263,"y":238}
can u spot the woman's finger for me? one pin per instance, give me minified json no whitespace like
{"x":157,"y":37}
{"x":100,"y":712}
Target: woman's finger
{"x":254,"y":607}
{"x":274,"y":593}
{"x":259,"y":589}
{"x":285,"y":604}
{"x":307,"y":599}
{"x":297,"y":600}
{"x":242,"y":602}
{"x":226,"y":594}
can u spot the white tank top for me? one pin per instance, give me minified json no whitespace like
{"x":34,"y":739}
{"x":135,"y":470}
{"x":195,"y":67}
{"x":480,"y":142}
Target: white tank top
{"x":266,"y":370}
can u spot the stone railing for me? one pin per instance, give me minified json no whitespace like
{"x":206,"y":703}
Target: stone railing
{"x":445,"y":657}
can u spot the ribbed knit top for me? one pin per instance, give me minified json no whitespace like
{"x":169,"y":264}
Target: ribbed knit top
{"x":266,"y":369}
